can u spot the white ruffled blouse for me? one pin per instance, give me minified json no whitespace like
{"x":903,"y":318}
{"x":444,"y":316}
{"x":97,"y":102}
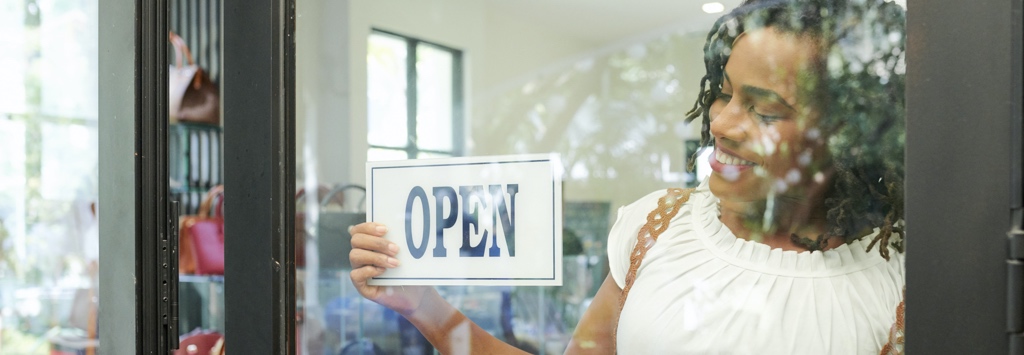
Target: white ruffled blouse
{"x":702,"y":290}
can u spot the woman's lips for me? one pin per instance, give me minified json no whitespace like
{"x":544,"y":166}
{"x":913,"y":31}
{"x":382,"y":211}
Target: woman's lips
{"x":723,"y":162}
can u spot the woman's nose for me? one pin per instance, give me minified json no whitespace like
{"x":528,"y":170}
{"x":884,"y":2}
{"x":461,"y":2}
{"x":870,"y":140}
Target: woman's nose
{"x":729,"y":123}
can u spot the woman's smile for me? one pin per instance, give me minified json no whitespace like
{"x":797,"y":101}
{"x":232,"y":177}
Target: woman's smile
{"x":725,"y":162}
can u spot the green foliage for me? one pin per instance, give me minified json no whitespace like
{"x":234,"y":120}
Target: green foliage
{"x":615,"y":116}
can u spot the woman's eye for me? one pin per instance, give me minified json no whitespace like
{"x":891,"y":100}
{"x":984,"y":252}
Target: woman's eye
{"x":765,"y":118}
{"x":725,"y":97}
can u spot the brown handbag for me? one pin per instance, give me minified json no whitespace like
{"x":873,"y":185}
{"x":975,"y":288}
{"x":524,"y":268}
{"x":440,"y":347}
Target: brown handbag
{"x":208,"y":225}
{"x":192,"y":97}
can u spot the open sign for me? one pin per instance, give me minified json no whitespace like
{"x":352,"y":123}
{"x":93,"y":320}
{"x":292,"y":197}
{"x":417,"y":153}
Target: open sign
{"x":470,"y":221}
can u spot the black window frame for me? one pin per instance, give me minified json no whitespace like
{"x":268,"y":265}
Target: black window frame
{"x":412,"y":148}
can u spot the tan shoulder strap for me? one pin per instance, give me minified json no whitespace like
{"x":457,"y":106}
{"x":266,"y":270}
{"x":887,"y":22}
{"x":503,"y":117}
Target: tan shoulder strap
{"x":657,"y":222}
{"x":896,"y":333}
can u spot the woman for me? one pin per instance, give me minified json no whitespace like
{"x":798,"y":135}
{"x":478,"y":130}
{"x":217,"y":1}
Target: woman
{"x":792,"y":246}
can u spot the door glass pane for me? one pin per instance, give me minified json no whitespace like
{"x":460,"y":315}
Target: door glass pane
{"x":195,"y":168}
{"x":49,"y":237}
{"x":793,"y":228}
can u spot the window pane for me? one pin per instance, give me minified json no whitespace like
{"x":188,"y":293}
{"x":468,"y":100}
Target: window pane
{"x":385,"y":89}
{"x":434,"y":98}
{"x":68,"y":49}
{"x":429,"y":155}
{"x":49,"y":237}
{"x":66,"y":174}
{"x":13,"y":57}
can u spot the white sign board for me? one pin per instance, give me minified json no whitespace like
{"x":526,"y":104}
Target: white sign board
{"x":470,"y":221}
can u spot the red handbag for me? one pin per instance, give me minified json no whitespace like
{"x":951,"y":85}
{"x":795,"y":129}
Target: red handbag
{"x":201,"y":242}
{"x":201,"y":342}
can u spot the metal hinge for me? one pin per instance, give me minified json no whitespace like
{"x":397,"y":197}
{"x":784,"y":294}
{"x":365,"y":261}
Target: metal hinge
{"x":169,"y":275}
{"x":1015,"y":284}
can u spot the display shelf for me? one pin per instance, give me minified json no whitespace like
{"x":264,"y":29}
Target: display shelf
{"x":194,"y":162}
{"x":200,"y":302}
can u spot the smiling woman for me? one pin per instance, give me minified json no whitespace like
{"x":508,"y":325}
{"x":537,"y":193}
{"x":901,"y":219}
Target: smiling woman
{"x":763,"y":150}
{"x":808,"y":115}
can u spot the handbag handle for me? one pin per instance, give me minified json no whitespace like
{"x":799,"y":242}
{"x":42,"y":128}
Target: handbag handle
{"x":338,"y":191}
{"x":204,"y":207}
{"x":321,"y":192}
{"x":181,"y":49}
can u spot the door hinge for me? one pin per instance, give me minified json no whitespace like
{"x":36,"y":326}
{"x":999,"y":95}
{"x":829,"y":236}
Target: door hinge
{"x":1015,"y":284}
{"x":169,"y":275}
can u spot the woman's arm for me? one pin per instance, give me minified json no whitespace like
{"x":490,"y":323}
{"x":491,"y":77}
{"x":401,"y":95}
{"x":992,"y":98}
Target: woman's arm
{"x":444,"y":326}
{"x":595,"y":332}
{"x":451,"y":332}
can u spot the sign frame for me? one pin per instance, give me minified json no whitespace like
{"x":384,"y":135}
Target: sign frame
{"x":551,"y":163}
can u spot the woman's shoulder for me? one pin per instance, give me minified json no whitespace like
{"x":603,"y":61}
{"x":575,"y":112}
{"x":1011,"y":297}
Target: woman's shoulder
{"x":635,"y":215}
{"x":650,"y":201}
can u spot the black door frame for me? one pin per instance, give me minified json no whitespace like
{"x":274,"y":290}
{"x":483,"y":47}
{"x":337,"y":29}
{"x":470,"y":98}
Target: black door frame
{"x":156,"y":269}
{"x":259,"y":175}
{"x":962,"y":172}
{"x":133,"y":180}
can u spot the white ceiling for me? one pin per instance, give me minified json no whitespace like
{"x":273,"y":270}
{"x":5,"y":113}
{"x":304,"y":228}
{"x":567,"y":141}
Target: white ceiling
{"x":605,"y":21}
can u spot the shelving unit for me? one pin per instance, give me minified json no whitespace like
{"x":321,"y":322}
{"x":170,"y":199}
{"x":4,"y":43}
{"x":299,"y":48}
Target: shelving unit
{"x":194,"y":162}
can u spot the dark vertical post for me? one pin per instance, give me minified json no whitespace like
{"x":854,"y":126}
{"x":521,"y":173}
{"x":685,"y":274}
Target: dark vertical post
{"x":960,"y":95}
{"x":411,"y":97}
{"x":259,"y":168}
{"x":458,"y":108}
{"x":152,"y":267}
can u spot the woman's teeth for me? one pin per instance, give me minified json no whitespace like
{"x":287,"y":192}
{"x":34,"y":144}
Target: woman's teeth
{"x":729,"y":159}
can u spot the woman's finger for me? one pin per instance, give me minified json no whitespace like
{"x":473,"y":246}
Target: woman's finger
{"x":361,"y":274}
{"x":362,"y":257}
{"x":374,"y":243}
{"x":371,"y":228}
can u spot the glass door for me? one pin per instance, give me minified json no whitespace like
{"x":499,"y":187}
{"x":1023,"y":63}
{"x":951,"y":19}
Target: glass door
{"x":609,"y":88}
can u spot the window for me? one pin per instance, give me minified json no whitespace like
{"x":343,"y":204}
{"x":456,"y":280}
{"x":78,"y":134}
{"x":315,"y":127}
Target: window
{"x":48,"y":175}
{"x":414,"y":90}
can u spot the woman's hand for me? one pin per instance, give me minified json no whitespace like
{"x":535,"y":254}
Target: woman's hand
{"x":371,"y":255}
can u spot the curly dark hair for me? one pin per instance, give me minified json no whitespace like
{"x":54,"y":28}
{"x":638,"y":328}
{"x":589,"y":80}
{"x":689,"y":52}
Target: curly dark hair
{"x":860,"y":90}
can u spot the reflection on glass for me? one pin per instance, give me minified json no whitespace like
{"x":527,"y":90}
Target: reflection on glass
{"x":792,"y":241}
{"x":195,"y":169}
{"x":49,"y":237}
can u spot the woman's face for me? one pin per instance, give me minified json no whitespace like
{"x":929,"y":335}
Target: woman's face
{"x":764,"y":122}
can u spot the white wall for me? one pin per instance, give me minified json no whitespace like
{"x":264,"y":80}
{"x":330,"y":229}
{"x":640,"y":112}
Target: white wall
{"x":502,"y":54}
